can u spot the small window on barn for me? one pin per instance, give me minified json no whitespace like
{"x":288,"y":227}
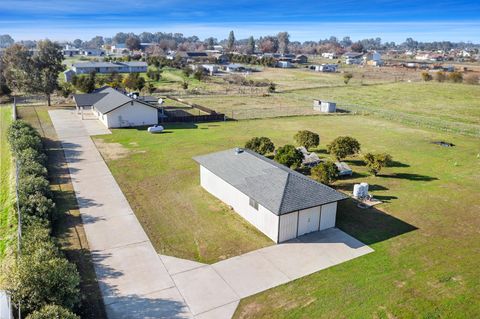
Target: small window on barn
{"x":253,"y":203}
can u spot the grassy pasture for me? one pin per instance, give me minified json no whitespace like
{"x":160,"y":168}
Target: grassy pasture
{"x":425,"y":236}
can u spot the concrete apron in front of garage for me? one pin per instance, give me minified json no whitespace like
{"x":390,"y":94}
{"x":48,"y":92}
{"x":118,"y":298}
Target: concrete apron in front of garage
{"x":213,"y":291}
{"x":136,"y":283}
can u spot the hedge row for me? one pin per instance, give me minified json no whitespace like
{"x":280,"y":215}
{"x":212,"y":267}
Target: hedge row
{"x":40,"y":279}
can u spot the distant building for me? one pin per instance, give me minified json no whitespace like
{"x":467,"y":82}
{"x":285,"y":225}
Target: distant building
{"x":68,"y":75}
{"x":93,"y":52}
{"x":324,"y":106}
{"x":301,"y":59}
{"x":109,"y":67}
{"x":373,"y":59}
{"x":284,"y":64}
{"x":325,"y":68}
{"x":232,"y":67}
{"x":329,"y":55}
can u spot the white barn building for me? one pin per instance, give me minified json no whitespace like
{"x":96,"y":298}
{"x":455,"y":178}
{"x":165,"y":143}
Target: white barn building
{"x":115,"y":109}
{"x":281,"y":203}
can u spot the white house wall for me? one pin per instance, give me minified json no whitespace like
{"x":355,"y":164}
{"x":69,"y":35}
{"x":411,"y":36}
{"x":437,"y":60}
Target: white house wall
{"x":132,"y":114}
{"x":263,"y":219}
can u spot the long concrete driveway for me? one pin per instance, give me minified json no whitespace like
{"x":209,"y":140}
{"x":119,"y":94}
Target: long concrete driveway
{"x":133,"y":279}
{"x":137,"y":283}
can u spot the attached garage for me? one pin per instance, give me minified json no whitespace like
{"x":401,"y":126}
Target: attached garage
{"x":278,"y":201}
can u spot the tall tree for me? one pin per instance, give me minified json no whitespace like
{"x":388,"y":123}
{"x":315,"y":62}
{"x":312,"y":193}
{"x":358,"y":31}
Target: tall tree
{"x":132,"y":43}
{"x":6,"y":40}
{"x":17,"y":66}
{"x":231,"y":41}
{"x":47,"y":64}
{"x":251,"y":45}
{"x":96,"y":42}
{"x":120,"y":38}
{"x":283,"y":41}
{"x":77,"y":43}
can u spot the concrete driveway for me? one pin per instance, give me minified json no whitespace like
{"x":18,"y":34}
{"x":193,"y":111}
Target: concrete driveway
{"x":213,"y":291}
{"x":137,"y":283}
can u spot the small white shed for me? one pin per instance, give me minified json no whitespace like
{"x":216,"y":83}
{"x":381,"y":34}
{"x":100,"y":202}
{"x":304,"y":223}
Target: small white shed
{"x":324,"y":106}
{"x":281,"y":203}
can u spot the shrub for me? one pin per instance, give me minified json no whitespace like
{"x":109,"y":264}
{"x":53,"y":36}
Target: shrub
{"x":31,"y":168}
{"x":289,"y":156}
{"x":307,"y":139}
{"x":36,"y":237}
{"x":375,"y":162}
{"x":347,"y":77}
{"x":325,"y":172}
{"x":426,"y":76}
{"x":343,"y":146}
{"x":272,"y":87}
{"x":30,"y":155}
{"x":455,"y":77}
{"x":199,"y":74}
{"x":185,"y":85}
{"x":261,"y":145}
{"x":440,"y":76}
{"x":471,"y":79}
{"x":38,"y":279}
{"x":53,"y":312}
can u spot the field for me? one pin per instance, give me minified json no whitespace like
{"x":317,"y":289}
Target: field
{"x":7,"y":212}
{"x":426,"y":245}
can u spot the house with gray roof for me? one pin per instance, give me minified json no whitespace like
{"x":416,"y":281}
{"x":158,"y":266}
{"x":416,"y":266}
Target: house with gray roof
{"x":115,"y":109}
{"x":281,"y":203}
{"x":109,"y":67}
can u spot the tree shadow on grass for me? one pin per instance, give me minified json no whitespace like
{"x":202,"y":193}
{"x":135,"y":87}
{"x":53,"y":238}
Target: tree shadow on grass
{"x":370,"y":225}
{"x":411,"y":177}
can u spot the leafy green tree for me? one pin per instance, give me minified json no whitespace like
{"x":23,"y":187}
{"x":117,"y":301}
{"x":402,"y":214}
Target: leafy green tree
{"x":132,"y":43}
{"x":17,"y":67}
{"x":231,"y":41}
{"x":343,"y":146}
{"x":261,"y":145}
{"x":251,"y":45}
{"x":347,"y":77}
{"x":47,"y":64}
{"x":289,"y":156}
{"x":307,"y":139}
{"x":375,"y":162}
{"x":52,"y":312}
{"x":325,"y":172}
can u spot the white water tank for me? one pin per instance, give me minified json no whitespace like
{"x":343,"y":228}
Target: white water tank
{"x":357,"y":190}
{"x":364,"y":189}
{"x":360,"y":190}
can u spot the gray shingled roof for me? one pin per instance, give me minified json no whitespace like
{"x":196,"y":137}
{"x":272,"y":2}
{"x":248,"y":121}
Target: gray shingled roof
{"x":95,"y":65}
{"x":274,"y":186}
{"x":88,"y":99}
{"x":113,"y":100}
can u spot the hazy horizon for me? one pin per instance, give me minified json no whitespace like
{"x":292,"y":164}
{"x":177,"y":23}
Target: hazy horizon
{"x":389,"y":19}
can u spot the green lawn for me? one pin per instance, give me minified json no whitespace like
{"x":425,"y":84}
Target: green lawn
{"x":426,"y":255}
{"x":7,"y":190}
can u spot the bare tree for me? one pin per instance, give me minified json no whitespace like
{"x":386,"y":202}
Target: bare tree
{"x":283,"y":41}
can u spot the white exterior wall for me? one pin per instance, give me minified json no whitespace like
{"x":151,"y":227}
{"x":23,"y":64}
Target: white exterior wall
{"x":328,"y":216}
{"x":137,"y":114}
{"x":263,"y":219}
{"x":308,"y":220}
{"x":288,"y":227}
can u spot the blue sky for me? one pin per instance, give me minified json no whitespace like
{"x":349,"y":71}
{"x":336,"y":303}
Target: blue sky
{"x":392,"y":20}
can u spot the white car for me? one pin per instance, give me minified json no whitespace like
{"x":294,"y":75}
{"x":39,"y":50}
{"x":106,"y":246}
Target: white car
{"x":155,"y":129}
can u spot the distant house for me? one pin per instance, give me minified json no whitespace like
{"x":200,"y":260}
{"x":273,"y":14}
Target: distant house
{"x":69,"y":52}
{"x":119,"y":48}
{"x":353,"y":57}
{"x":301,"y":59}
{"x":330,"y":55}
{"x":115,"y":109}
{"x":281,"y":203}
{"x":192,"y":57}
{"x":109,"y":67}
{"x":210,"y":68}
{"x":93,"y":52}
{"x":373,"y":59}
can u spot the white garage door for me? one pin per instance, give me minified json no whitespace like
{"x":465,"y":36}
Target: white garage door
{"x":329,"y":212}
{"x":288,"y":227}
{"x":308,"y":220}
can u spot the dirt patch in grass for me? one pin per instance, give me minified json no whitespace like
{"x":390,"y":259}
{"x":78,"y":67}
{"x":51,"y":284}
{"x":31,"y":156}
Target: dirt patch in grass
{"x":114,"y":151}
